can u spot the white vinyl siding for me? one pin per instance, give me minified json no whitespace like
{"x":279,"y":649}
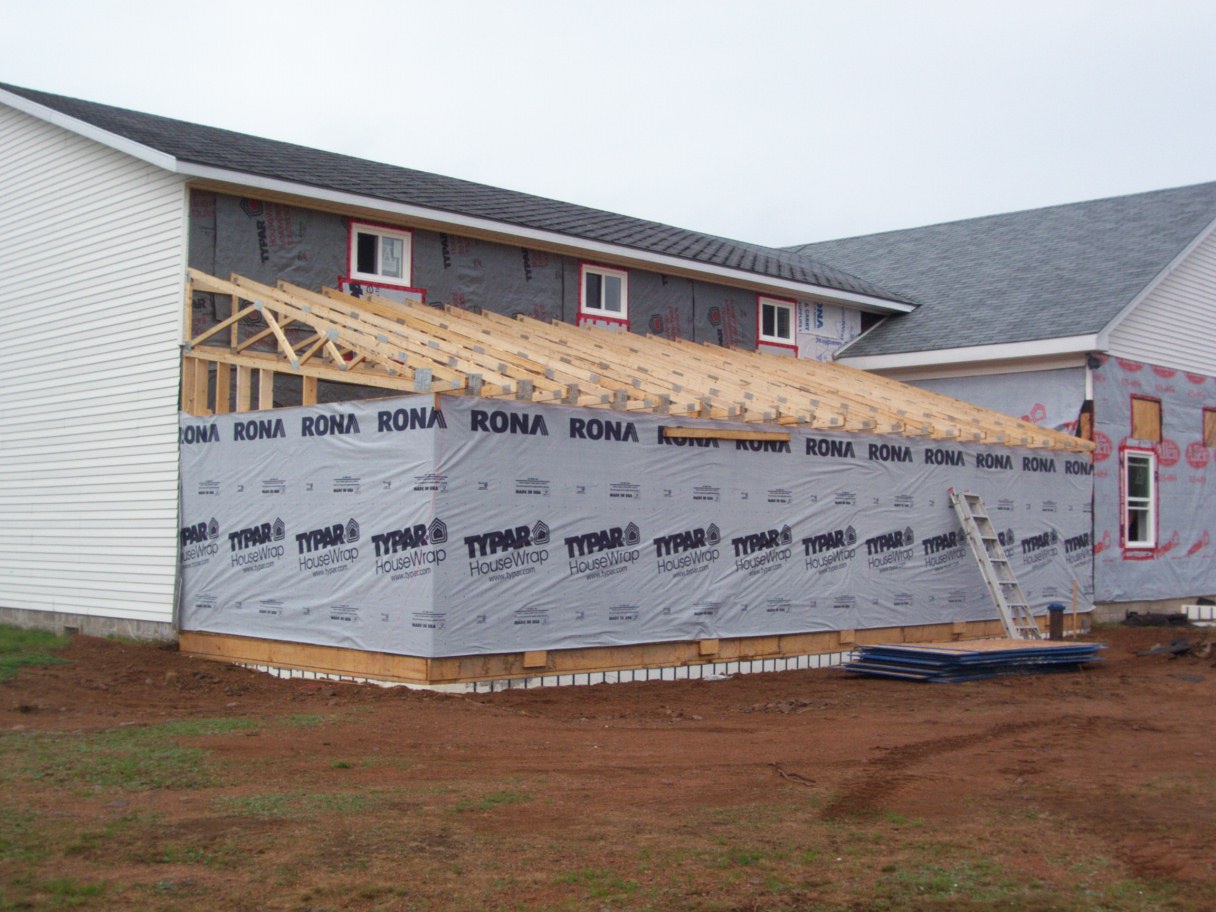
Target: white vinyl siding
{"x":1175,"y":325}
{"x":92,"y":257}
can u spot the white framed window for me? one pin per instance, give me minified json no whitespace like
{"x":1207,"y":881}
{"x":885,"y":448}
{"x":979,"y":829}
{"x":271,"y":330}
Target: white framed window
{"x":379,"y":254}
{"x":1139,"y":499}
{"x":603,"y":293}
{"x":775,"y":321}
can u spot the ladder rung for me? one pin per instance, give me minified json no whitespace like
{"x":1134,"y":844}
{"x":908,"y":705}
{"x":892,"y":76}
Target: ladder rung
{"x":1002,"y":582}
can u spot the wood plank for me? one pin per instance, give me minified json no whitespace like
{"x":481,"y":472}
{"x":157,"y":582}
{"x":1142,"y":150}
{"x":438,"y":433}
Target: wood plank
{"x":265,"y":389}
{"x":189,"y":366}
{"x":202,"y":387}
{"x":303,"y":657}
{"x":244,"y":387}
{"x":223,"y":389}
{"x":462,"y":669}
{"x":368,"y":377}
{"x":309,"y":391}
{"x":724,"y":434}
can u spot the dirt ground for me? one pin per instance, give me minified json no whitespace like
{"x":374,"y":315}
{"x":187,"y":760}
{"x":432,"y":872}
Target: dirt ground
{"x":136,"y":778}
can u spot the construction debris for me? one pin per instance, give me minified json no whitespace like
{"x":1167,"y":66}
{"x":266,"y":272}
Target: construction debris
{"x":941,"y":663}
{"x":1156,"y":619}
{"x":1200,"y":649}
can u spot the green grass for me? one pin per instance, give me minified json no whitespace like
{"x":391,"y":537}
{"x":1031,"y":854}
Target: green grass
{"x":300,"y":805}
{"x":132,"y":759}
{"x":20,"y":648}
{"x":599,"y":883}
{"x":492,"y":800}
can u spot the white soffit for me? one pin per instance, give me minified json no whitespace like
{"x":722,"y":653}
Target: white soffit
{"x":1039,"y":350}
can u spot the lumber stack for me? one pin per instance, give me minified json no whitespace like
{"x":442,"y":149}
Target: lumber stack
{"x":942,"y":663}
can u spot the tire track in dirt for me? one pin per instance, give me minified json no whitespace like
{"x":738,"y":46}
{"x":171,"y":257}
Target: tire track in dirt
{"x":863,"y":793}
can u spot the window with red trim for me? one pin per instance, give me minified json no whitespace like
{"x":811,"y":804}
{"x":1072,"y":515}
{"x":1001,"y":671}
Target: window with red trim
{"x":1139,"y":507}
{"x":776,"y":321}
{"x":379,"y":254}
{"x":604,"y":293}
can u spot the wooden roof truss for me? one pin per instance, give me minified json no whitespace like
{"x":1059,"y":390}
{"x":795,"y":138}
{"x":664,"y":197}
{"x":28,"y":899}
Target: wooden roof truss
{"x":415,"y":348}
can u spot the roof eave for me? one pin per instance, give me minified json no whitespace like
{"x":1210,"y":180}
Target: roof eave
{"x":450,"y":220}
{"x":490,"y":228}
{"x":1010,"y":351}
{"x":88,"y":131}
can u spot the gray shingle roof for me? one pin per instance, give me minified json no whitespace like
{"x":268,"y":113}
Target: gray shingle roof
{"x":1023,"y":276}
{"x":299,"y":164}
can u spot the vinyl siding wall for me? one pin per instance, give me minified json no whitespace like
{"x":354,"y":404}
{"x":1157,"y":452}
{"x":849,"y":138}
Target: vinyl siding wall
{"x":1175,"y":325}
{"x":91,"y":275}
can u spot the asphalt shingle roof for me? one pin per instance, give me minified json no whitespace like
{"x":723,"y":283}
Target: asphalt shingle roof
{"x":1024,"y":276}
{"x":254,"y":155}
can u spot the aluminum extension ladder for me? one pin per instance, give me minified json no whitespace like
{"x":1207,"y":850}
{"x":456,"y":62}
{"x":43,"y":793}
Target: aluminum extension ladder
{"x":990,"y":555}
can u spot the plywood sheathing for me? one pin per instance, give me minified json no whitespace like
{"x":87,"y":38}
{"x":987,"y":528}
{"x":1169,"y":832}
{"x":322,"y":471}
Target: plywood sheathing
{"x":408,"y":347}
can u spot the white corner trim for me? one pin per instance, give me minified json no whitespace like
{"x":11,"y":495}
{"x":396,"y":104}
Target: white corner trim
{"x":1106,"y":332}
{"x":1067,"y":345}
{"x":88,"y":131}
{"x":596,"y":249}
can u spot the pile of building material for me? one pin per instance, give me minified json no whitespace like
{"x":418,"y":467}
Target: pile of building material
{"x":940,"y":663}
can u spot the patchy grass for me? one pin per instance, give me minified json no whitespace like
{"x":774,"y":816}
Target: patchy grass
{"x":132,"y":759}
{"x":20,"y":647}
{"x":492,"y":801}
{"x":300,"y":805}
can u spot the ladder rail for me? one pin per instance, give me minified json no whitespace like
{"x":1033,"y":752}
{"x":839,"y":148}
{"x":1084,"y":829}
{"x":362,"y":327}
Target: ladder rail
{"x":1002,"y":582}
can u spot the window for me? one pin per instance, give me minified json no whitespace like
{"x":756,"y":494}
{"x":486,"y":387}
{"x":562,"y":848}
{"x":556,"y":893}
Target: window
{"x":604,"y":293}
{"x":1146,"y":419}
{"x":1209,"y":427}
{"x":1139,"y":499}
{"x":379,"y":254}
{"x":776,"y":321}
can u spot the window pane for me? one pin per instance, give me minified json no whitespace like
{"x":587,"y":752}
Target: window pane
{"x":391,"y":257}
{"x":365,"y":253}
{"x":783,"y":323}
{"x":612,"y":293}
{"x":591,"y":294}
{"x":767,"y":320}
{"x":1139,"y":484}
{"x":1138,"y":531}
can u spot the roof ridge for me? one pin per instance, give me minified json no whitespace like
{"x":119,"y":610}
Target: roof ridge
{"x":975,"y":219}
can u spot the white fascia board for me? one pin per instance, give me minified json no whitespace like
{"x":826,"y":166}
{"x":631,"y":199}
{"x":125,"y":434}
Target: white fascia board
{"x":1105,"y":334}
{"x":1011,"y":351}
{"x":660,"y":262}
{"x":88,"y":131}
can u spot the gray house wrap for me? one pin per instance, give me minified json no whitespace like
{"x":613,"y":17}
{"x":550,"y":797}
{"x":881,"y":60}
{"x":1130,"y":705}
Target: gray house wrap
{"x":272,"y":241}
{"x":1184,"y":559}
{"x":486,"y":527}
{"x":1051,"y":398}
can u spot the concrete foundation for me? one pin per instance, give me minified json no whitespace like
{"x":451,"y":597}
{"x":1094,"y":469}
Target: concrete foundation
{"x":65,"y":623}
{"x":1114,"y":612}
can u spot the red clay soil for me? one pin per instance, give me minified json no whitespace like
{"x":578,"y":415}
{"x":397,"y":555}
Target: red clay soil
{"x":793,"y":790}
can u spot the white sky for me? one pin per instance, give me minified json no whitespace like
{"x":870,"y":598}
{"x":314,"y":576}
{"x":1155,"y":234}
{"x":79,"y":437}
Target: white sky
{"x":770,"y":121}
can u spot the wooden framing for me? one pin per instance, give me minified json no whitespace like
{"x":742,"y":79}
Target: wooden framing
{"x":414,"y":348}
{"x":336,"y":661}
{"x":396,"y":347}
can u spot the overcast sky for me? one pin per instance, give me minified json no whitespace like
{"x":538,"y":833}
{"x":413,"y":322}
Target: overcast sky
{"x":771,"y":122}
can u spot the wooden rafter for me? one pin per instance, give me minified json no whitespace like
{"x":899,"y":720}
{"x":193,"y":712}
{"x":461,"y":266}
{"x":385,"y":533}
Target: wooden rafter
{"x":410,"y":347}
